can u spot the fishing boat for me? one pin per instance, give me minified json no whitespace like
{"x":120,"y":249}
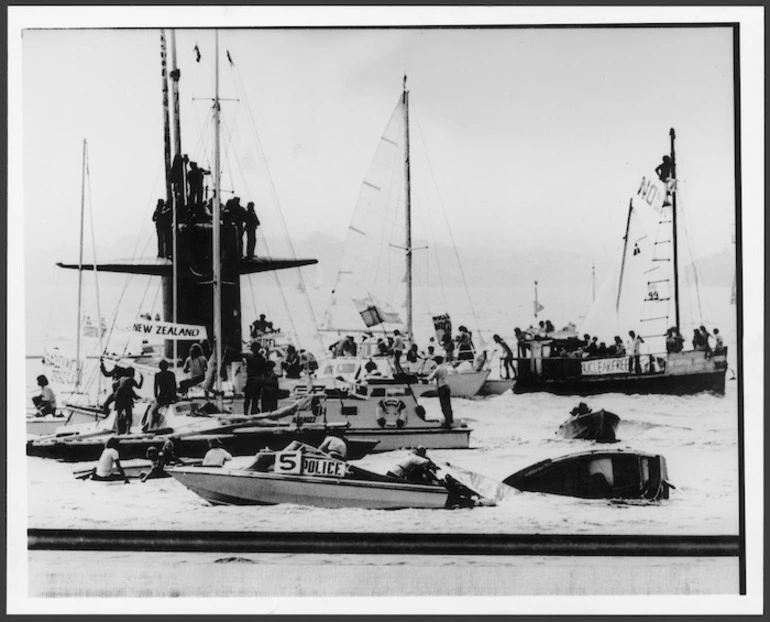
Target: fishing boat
{"x":642,"y":295}
{"x":598,"y":474}
{"x":377,"y":267}
{"x":304,"y":476}
{"x":586,"y":424}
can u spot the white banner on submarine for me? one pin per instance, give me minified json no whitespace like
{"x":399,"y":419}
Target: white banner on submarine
{"x":168,"y":330}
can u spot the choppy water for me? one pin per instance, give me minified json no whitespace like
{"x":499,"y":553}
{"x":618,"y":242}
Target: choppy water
{"x":696,"y":434}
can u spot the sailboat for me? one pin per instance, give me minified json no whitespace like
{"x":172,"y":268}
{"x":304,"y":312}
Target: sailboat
{"x":201,"y":290}
{"x":377,"y":269}
{"x":642,"y":295}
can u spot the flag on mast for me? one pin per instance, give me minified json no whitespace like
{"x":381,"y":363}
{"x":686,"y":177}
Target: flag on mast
{"x":375,"y":312}
{"x":538,"y":306}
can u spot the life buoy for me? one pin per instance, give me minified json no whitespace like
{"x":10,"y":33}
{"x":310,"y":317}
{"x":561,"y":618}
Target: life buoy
{"x":391,"y":411}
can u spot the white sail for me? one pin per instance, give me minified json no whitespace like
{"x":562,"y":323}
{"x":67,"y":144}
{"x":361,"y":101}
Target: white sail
{"x":374,"y":261}
{"x":638,"y":293}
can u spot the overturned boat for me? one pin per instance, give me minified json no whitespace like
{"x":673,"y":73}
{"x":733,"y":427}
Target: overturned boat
{"x":598,"y":474}
{"x":304,"y":476}
{"x":586,"y":424}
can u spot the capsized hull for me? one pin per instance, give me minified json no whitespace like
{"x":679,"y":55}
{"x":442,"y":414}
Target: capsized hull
{"x":463,"y":384}
{"x":240,"y":487}
{"x":599,"y":426}
{"x":599,"y":474}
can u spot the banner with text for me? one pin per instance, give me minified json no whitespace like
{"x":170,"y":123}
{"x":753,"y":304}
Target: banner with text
{"x":598,"y":367}
{"x":168,"y":330}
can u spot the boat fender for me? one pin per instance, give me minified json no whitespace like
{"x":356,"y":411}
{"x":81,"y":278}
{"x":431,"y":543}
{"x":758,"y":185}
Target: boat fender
{"x":388,"y":408}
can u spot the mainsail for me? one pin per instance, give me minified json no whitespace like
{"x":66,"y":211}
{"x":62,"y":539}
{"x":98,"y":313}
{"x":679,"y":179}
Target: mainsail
{"x":374,"y":262}
{"x":638,"y":294}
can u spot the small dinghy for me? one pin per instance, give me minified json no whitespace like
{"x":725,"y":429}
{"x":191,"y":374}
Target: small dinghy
{"x":305,"y":476}
{"x":586,"y":424}
{"x":598,"y":474}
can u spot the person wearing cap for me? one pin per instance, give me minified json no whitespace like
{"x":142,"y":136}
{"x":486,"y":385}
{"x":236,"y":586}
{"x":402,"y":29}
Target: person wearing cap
{"x":334,"y":445}
{"x":444,"y":393}
{"x":216,"y":456}
{"x":416,"y":467}
{"x":250,"y":223}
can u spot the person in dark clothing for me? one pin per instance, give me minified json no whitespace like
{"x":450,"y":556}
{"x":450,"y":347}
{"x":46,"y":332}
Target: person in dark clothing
{"x":506,"y":358}
{"x":162,"y":219}
{"x":165,"y":394}
{"x":602,"y":351}
{"x":255,"y":370}
{"x":291,"y":364}
{"x":124,"y":401}
{"x":233,"y":216}
{"x":592,"y":348}
{"x":195,"y":183}
{"x":412,"y":354}
{"x":269,"y":388}
{"x":177,"y":177}
{"x":116,"y":373}
{"x":250,"y":223}
{"x":663,"y":170}
{"x":521,"y":342}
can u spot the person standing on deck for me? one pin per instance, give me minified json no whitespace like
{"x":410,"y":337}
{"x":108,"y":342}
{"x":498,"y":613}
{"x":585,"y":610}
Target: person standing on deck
{"x":269,"y":388}
{"x":195,"y":365}
{"x":506,"y":358}
{"x":165,"y":394}
{"x":521,"y":342}
{"x":444,"y":393}
{"x":250,"y":223}
{"x":256,"y":365}
{"x":124,"y":402}
{"x":195,"y":183}
{"x":398,"y":348}
{"x":719,"y":346}
{"x":634,"y":347}
{"x":162,"y":219}
{"x":464,"y":345}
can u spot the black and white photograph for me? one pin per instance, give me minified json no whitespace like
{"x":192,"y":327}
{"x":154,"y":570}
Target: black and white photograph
{"x":325,"y":310}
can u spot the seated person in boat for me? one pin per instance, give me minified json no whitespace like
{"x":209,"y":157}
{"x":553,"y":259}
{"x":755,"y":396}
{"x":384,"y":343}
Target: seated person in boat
{"x":308,"y":362}
{"x":369,"y":369}
{"x":549,"y":327}
{"x":216,"y":456}
{"x":719,"y":347}
{"x":334,"y":445}
{"x":291,"y":364}
{"x":45,"y":403}
{"x":464,"y":345}
{"x":602,"y":351}
{"x":261,"y":326}
{"x":416,"y":468}
{"x":349,"y":347}
{"x":109,"y":460}
{"x":165,"y":394}
{"x":619,"y":347}
{"x":157,"y":465}
{"x":413,"y":354}
{"x":168,"y":452}
{"x":581,"y":409}
{"x":195,"y":365}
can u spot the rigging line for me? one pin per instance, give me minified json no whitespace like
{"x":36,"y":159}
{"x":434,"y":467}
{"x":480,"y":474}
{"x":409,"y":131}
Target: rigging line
{"x":688,"y":241}
{"x":95,"y":270}
{"x":449,"y":229}
{"x":274,"y":194}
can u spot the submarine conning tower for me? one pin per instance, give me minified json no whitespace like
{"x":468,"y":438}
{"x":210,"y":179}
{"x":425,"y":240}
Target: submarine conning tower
{"x":194,"y":279}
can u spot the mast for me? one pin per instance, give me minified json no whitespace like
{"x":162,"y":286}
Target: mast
{"x":625,"y":248}
{"x":80,"y":266}
{"x":593,"y":281}
{"x":181,"y":185}
{"x":166,"y":123}
{"x":671,"y":182}
{"x":537,"y":304}
{"x":216,"y":253}
{"x":408,"y":211}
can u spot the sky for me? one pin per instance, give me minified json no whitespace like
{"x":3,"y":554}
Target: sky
{"x":530,"y":138}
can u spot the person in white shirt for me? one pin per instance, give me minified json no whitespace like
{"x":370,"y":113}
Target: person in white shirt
{"x":719,"y":346}
{"x":444,"y":393}
{"x":109,"y":460}
{"x":634,"y":348}
{"x":216,"y":456}
{"x":417,"y":467}
{"x":45,"y":403}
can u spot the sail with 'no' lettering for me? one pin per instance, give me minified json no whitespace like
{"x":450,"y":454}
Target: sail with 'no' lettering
{"x":638,"y":293}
